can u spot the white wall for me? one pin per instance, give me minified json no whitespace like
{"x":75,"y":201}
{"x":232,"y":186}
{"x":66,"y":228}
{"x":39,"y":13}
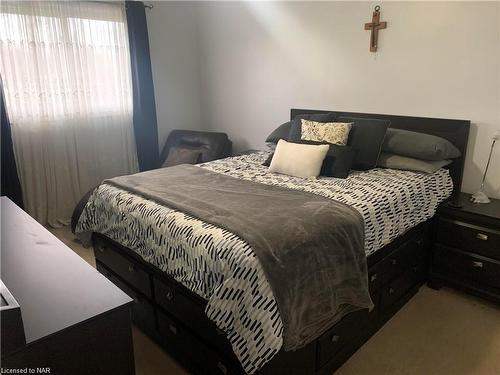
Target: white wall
{"x":256,"y":60}
{"x":173,"y":41}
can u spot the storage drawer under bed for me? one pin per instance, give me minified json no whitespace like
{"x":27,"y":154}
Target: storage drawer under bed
{"x":143,"y":314}
{"x":125,"y":267}
{"x":174,"y":335}
{"x":411,"y":255}
{"x":397,"y":288}
{"x":173,"y":299}
{"x":341,"y":335}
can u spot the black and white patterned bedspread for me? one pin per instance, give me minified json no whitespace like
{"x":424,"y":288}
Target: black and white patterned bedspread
{"x":222,"y":268}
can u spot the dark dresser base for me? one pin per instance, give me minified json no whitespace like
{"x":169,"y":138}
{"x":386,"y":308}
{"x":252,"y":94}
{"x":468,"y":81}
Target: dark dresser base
{"x":74,"y":321}
{"x":99,"y":346}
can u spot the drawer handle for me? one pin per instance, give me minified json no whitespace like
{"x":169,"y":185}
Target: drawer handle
{"x":482,"y":236}
{"x":172,"y":329}
{"x":221,"y":367}
{"x":335,"y":338}
{"x":131,"y":268}
{"x":477,"y":264}
{"x":169,"y":294}
{"x":373,"y":277}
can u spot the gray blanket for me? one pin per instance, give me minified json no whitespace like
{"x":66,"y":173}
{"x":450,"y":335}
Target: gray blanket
{"x":311,"y":248}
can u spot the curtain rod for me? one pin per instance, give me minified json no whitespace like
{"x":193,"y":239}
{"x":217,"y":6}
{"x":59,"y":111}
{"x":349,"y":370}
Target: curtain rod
{"x":149,"y":6}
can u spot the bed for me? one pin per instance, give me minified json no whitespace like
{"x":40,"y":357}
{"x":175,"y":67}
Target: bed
{"x":206,"y":322}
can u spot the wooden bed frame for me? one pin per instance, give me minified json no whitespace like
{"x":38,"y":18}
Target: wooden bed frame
{"x":174,"y":316}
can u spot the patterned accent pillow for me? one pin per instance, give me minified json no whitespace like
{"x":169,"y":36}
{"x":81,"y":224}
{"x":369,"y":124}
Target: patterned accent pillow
{"x":330,"y":132}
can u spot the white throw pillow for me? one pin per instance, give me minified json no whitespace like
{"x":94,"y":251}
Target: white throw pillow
{"x":299,"y":160}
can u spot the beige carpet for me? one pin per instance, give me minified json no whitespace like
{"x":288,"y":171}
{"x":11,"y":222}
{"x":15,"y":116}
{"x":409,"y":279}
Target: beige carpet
{"x":437,"y":332}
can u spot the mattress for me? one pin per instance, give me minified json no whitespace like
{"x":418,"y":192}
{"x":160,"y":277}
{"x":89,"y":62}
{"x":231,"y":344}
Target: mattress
{"x":222,"y":268}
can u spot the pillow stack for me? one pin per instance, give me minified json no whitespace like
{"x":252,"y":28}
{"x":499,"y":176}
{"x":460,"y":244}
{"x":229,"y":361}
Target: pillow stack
{"x":353,"y":142}
{"x":365,"y":143}
{"x":330,"y":137}
{"x":339,"y":158}
{"x":419,"y":152}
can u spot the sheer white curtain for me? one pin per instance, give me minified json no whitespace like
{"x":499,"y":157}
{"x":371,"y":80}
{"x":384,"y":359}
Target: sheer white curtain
{"x":67,"y":81}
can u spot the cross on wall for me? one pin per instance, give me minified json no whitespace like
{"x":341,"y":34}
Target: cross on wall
{"x":375,"y":26}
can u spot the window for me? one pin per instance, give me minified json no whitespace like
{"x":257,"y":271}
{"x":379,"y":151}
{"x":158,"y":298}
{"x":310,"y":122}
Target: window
{"x":64,"y":60}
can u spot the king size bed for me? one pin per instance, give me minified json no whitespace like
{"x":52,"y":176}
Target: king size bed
{"x":220,"y":298}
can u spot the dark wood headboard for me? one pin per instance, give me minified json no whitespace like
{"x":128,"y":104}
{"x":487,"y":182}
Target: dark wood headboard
{"x":455,"y":131}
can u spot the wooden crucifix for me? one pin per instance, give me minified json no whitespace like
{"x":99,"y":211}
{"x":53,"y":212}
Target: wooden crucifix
{"x":375,"y":26}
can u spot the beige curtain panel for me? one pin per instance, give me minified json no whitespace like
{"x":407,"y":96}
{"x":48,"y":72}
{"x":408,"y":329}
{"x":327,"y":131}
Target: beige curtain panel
{"x":67,"y":80}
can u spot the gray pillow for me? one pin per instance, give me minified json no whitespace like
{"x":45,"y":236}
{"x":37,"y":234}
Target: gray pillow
{"x":418,"y":145}
{"x":410,"y":164}
{"x":281,"y":132}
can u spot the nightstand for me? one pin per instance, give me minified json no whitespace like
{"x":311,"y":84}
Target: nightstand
{"x":466,"y":248}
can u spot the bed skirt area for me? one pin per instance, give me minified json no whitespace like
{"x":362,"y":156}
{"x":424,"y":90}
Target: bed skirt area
{"x":175,"y":317}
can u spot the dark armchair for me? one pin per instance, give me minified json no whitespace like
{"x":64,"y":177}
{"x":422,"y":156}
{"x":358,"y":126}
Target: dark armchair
{"x":212,"y":145}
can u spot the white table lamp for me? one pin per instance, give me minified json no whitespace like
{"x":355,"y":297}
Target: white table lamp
{"x":480,"y":196}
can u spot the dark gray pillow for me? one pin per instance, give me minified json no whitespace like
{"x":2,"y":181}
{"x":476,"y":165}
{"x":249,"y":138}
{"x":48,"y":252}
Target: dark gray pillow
{"x":338,"y":161}
{"x":296,"y":127}
{"x":419,"y":145}
{"x":281,"y":132}
{"x":366,"y":137}
{"x":393,"y":161}
{"x":267,"y":162}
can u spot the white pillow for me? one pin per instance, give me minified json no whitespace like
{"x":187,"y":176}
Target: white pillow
{"x":299,"y":160}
